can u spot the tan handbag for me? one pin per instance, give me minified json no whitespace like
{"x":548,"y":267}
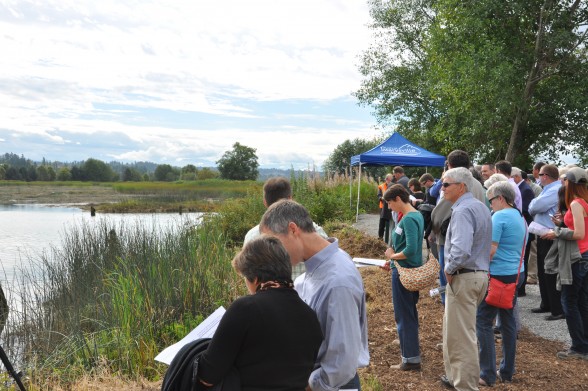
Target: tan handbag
{"x":418,"y":278}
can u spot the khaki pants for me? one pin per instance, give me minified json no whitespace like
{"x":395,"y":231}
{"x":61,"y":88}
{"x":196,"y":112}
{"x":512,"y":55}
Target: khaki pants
{"x":532,"y":272}
{"x":460,"y":344}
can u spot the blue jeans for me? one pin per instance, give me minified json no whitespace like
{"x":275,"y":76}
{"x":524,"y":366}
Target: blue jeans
{"x":574,"y":299}
{"x":442,"y":278}
{"x":485,"y":333}
{"x":353,"y":384}
{"x":407,"y":320}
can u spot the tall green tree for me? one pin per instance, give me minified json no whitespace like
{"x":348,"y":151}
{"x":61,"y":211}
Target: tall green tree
{"x":166,"y":173}
{"x":498,"y":79}
{"x":64,"y":174}
{"x":240,"y":163}
{"x":339,"y":160}
{"x":97,"y":171}
{"x":131,"y":175}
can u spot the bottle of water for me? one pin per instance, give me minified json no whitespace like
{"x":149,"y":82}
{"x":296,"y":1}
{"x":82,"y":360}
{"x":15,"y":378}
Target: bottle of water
{"x":437,"y":291}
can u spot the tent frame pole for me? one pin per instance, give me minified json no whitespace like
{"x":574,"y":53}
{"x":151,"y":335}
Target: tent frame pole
{"x":358,"y":189}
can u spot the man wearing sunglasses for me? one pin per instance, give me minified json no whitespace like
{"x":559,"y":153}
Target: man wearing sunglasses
{"x":467,"y":261}
{"x":442,"y":211}
{"x":540,"y":208}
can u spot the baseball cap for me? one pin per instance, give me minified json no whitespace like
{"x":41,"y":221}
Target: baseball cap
{"x":577,"y":175}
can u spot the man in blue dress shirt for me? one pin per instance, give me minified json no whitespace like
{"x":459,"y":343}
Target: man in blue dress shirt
{"x":540,"y":209}
{"x":333,"y":288}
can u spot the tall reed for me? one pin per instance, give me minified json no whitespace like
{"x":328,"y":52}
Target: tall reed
{"x":120,"y":293}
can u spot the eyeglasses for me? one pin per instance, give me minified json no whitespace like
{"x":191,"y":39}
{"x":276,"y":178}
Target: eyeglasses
{"x":447,"y":184}
{"x":492,"y":199}
{"x":541,"y":174}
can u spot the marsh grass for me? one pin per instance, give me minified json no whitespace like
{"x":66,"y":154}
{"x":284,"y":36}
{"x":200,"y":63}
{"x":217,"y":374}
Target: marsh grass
{"x":188,"y":196}
{"x":121,"y":294}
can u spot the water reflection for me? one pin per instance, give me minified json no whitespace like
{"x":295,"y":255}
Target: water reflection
{"x":28,"y":230}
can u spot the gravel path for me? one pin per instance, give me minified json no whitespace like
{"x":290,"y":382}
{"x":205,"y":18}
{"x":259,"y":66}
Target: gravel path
{"x":554,"y":330}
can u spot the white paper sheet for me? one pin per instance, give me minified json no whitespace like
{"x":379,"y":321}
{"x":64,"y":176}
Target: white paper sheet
{"x":205,"y":329}
{"x":369,"y":262}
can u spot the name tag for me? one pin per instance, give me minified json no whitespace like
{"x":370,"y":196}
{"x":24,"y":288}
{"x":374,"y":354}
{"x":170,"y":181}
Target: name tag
{"x":398,"y":230}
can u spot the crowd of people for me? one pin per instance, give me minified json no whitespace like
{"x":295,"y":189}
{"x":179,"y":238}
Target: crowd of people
{"x":490,"y":223}
{"x":306,"y":329}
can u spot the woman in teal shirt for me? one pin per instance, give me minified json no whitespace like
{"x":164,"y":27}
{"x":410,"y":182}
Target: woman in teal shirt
{"x":406,"y":249}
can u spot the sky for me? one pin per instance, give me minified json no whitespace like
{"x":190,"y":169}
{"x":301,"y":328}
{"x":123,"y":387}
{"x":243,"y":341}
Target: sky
{"x":179,"y":82}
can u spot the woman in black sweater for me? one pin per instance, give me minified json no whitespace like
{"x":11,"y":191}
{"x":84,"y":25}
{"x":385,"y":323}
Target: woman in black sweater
{"x":271,"y":337}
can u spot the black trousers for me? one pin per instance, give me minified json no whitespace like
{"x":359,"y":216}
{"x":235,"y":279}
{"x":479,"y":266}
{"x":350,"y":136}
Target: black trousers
{"x":550,"y":296}
{"x":384,"y":229}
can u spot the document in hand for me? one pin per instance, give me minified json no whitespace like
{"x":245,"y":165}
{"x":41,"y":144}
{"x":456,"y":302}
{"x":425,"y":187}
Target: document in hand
{"x":205,"y":329}
{"x":360,"y":262}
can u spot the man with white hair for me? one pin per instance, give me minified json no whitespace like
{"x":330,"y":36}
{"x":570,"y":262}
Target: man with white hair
{"x":467,"y":260}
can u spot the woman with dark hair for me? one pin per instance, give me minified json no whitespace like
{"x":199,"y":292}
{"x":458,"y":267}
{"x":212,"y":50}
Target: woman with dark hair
{"x":406,"y":249}
{"x":574,"y":290}
{"x":416,"y":191}
{"x":270,"y":337}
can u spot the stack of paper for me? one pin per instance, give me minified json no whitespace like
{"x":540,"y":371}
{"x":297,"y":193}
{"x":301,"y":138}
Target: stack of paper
{"x":360,"y":262}
{"x":205,"y":329}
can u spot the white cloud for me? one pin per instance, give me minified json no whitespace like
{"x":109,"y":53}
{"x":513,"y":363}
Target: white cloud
{"x":74,"y":68}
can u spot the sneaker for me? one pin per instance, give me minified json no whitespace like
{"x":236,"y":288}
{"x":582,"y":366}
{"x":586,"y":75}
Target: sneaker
{"x":406,"y":366}
{"x":570,"y":354}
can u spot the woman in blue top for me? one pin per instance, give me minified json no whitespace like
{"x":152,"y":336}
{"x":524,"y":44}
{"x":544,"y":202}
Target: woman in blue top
{"x":508,"y":243}
{"x":406,"y":249}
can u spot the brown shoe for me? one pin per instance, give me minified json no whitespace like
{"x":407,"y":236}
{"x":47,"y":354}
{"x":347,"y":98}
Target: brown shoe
{"x":531,"y":281}
{"x":406,"y":366}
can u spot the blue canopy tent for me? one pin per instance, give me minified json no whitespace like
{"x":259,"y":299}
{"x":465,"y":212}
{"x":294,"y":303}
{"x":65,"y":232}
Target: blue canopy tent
{"x":395,"y":151}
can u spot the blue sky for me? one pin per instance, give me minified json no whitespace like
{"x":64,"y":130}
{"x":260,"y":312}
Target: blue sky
{"x":180,"y":82}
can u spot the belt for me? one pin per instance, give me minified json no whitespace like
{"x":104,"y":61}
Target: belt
{"x":464,"y":270}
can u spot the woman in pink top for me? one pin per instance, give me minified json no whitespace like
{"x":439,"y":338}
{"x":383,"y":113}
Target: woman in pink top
{"x":574,"y":298}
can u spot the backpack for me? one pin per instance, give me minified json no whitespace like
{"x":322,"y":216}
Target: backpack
{"x":182,"y":374}
{"x":426,"y":210}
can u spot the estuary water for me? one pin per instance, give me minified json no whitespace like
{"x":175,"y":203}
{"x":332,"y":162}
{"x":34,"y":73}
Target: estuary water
{"x":28,"y":230}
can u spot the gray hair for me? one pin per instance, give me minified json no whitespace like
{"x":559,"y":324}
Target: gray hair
{"x":516,"y":172}
{"x":264,"y":258}
{"x":277,"y":217}
{"x":504,"y":189}
{"x":494,"y":178}
{"x":461,"y":175}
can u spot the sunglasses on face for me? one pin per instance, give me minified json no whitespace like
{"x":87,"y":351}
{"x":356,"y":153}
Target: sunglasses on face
{"x":447,"y":184}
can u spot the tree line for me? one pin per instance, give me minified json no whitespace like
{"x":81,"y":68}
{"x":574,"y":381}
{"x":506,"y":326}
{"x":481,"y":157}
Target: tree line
{"x":18,"y":168}
{"x":240,"y":163}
